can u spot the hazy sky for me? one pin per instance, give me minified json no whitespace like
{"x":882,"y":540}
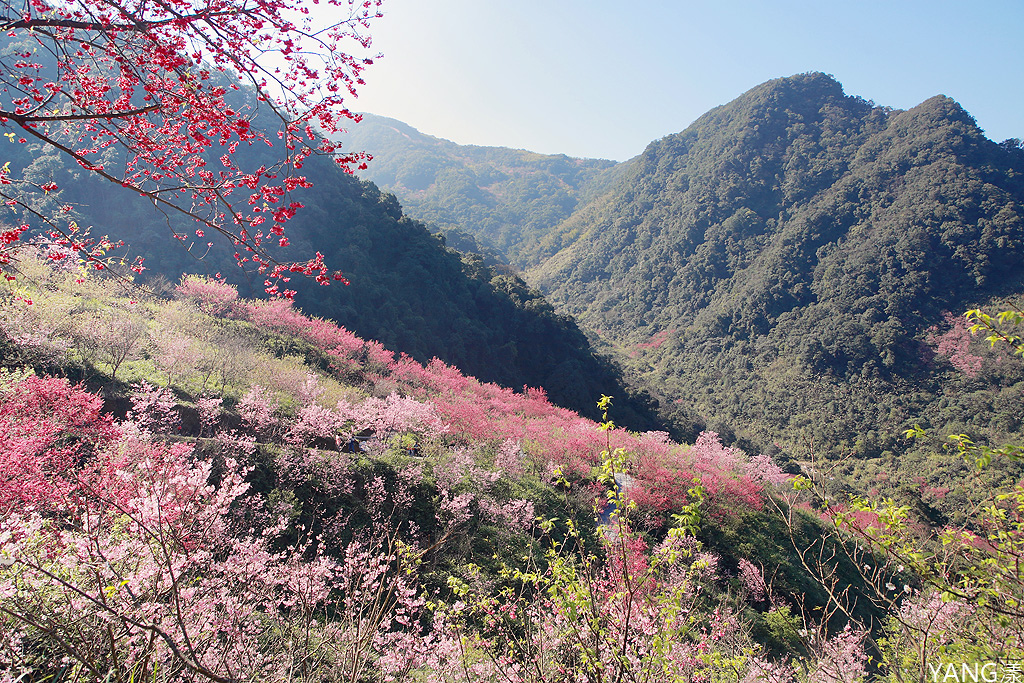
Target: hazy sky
{"x":598,"y":78}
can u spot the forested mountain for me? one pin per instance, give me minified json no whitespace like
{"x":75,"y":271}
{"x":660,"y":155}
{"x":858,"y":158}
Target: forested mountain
{"x":776,"y":264}
{"x":198,"y":485}
{"x":782,"y":269}
{"x":407,"y":289}
{"x":507,"y":198}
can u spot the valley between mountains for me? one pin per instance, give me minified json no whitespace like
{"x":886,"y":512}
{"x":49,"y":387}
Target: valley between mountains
{"x":790,"y":271}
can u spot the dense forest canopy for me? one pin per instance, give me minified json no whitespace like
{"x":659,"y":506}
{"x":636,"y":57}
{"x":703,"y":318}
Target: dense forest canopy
{"x":799,"y":233}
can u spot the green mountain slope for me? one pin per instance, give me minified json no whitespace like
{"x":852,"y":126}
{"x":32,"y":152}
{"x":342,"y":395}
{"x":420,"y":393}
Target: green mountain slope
{"x":506,"y":198}
{"x":412,"y":294}
{"x":773,"y":267}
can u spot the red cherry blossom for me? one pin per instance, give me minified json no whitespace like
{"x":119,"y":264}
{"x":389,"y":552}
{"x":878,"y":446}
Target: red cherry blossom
{"x":158,"y":81}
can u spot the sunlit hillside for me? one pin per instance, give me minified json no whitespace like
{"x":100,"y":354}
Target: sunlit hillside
{"x":209,"y":488}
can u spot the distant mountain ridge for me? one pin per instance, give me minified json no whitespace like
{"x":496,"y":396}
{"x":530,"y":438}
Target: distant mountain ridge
{"x":792,"y":155}
{"x":507,"y":198}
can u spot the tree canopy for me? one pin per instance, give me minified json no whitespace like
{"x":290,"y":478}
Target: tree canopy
{"x":157,"y":97}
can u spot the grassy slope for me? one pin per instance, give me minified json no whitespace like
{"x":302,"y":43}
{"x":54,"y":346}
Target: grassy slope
{"x":206,"y":343}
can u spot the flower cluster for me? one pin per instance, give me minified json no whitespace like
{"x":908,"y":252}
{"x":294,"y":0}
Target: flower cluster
{"x":174,"y":85}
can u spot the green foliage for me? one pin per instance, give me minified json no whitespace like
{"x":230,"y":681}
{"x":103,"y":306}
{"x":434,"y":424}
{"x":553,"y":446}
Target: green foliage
{"x":782,"y":629}
{"x":997,"y":327}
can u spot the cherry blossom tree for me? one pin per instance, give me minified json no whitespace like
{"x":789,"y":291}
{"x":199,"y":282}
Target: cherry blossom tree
{"x":157,"y":97}
{"x":954,"y":343}
{"x":153,"y":408}
{"x":46,"y":426}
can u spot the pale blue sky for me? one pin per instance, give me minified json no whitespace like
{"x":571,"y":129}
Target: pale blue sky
{"x":602,"y":79}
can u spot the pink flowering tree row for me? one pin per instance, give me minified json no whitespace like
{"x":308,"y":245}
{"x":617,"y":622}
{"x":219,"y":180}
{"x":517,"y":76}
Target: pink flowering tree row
{"x":123,"y":557}
{"x":549,"y":437}
{"x":629,"y":613}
